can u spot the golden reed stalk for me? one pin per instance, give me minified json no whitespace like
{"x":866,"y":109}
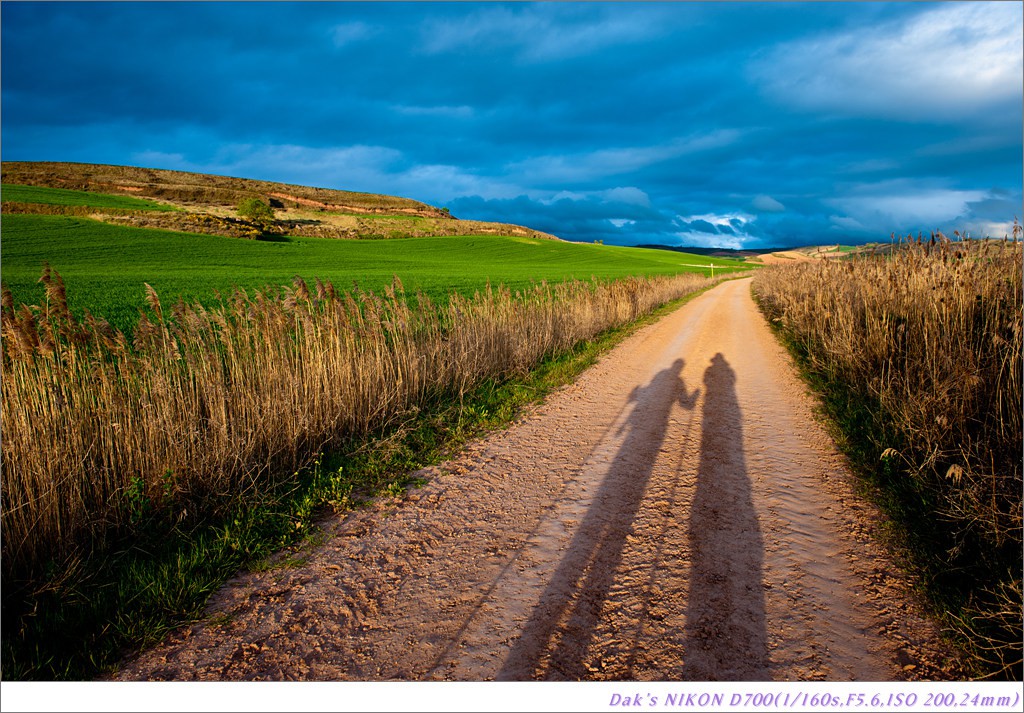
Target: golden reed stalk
{"x":206,"y":403}
{"x":931,"y":335}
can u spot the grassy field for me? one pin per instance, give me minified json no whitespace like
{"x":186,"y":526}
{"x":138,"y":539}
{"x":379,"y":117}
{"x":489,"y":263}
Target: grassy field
{"x":105,"y":266}
{"x":62,"y":196}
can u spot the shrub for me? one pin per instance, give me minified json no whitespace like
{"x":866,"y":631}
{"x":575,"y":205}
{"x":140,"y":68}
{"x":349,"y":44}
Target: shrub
{"x":258,"y":211}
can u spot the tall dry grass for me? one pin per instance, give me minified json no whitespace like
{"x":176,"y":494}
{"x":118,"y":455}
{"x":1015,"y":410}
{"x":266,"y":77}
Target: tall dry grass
{"x":930,"y":337}
{"x":203,"y":404}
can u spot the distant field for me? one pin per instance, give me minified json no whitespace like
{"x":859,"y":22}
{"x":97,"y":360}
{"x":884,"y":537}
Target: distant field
{"x":63,"y":196}
{"x":105,"y":266}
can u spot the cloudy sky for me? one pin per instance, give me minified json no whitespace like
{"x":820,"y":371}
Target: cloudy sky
{"x":725,"y":124}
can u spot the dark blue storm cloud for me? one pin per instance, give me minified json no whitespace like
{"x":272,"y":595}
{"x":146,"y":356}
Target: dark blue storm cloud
{"x":713,"y":124}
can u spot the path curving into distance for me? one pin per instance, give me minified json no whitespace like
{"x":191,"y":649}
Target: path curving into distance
{"x":677,"y":513}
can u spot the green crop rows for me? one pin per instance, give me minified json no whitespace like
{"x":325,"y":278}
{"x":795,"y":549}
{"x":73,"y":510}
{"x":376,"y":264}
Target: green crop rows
{"x":105,"y":266}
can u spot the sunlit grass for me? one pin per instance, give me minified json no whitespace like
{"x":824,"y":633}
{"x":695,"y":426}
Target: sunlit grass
{"x":65,"y":197}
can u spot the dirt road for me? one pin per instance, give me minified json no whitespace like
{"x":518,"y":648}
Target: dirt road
{"x":676,"y":514}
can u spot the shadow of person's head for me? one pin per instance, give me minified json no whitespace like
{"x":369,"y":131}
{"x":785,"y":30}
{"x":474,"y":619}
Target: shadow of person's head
{"x":719,"y":371}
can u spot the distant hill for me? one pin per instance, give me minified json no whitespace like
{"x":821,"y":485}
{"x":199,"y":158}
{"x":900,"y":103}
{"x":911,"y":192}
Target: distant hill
{"x":715,"y":252}
{"x":780,"y":255}
{"x":207,"y":204}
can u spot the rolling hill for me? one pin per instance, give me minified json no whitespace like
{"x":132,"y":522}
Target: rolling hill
{"x":207,"y":204}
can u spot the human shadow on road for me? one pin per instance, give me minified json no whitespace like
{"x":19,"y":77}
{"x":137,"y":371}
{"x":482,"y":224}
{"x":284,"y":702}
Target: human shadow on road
{"x":563,"y":622}
{"x":726,"y":637}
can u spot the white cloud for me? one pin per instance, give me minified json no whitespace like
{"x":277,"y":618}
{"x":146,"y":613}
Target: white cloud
{"x":442,"y":183}
{"x":619,"y":222}
{"x":906,"y":207}
{"x":767,"y":204}
{"x":563,"y":196}
{"x":545,"y":31}
{"x":349,"y":32}
{"x":950,"y":60}
{"x":731,"y":230}
{"x":845,"y":222}
{"x":630,"y":195}
{"x":570,"y":168}
{"x":331,"y":163}
{"x":988,"y":228}
{"x":445,"y":112}
{"x":709,"y":240}
{"x":721,"y":220}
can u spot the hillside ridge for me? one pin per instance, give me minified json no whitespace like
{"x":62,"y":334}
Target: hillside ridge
{"x":207,"y":204}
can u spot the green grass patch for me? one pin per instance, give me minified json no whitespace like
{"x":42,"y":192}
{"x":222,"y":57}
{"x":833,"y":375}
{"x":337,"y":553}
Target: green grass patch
{"x":65,"y":197}
{"x":104,"y":266}
{"x":108,"y":606}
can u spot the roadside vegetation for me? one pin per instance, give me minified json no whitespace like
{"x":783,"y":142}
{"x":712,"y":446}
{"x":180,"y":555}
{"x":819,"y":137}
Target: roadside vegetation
{"x":918,"y":358}
{"x":140,"y":470}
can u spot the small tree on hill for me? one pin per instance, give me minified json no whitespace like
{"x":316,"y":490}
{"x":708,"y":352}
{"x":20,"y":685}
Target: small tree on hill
{"x":258,"y":211}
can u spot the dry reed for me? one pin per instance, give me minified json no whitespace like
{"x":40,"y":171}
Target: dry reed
{"x":931,"y":337}
{"x":203,"y":404}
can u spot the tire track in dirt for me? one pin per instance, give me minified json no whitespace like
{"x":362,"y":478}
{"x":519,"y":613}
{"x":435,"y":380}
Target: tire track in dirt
{"x":675,"y":514}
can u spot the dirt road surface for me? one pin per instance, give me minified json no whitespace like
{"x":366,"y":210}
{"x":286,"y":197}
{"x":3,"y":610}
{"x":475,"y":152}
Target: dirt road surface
{"x":676,"y":514}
